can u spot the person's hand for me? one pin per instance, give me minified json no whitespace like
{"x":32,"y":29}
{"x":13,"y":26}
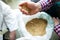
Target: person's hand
{"x":30,"y":8}
{"x":12,"y":35}
{"x":56,"y":21}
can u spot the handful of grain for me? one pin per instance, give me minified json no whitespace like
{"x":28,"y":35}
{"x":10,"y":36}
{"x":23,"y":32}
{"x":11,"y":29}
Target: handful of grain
{"x":26,"y":8}
{"x":37,"y":26}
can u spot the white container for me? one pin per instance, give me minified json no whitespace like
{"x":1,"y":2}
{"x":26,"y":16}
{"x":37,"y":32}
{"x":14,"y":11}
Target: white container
{"x":23,"y":19}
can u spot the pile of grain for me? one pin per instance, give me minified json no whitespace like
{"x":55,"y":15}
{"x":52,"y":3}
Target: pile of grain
{"x":37,"y":26}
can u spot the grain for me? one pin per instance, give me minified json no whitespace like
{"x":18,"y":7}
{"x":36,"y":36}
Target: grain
{"x":26,"y":8}
{"x":37,"y":26}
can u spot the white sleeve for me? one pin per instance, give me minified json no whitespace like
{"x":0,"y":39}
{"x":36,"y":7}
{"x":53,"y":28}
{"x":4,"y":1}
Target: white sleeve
{"x":9,"y":17}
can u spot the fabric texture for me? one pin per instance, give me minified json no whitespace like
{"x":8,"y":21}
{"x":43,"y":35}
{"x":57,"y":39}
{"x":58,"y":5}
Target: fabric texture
{"x":57,"y":29}
{"x":46,"y":4}
{"x":8,"y":17}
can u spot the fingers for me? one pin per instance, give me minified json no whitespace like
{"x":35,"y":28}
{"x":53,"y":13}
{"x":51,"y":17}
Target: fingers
{"x":53,"y":18}
{"x":56,"y":18}
{"x":23,"y":11}
{"x":28,"y":13}
{"x":56,"y":21}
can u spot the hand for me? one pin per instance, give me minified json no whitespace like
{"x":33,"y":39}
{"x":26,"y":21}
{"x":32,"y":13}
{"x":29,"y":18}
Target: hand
{"x":56,"y":21}
{"x":12,"y":35}
{"x":32,"y":8}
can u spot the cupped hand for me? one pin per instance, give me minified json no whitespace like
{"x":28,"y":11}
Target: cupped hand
{"x":30,"y":8}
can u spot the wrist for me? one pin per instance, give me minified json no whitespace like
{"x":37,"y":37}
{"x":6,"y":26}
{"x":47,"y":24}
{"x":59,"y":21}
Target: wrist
{"x":39,"y":6}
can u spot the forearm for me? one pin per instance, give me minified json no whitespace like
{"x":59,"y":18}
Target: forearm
{"x":12,"y":35}
{"x":45,"y":4}
{"x":57,"y":29}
